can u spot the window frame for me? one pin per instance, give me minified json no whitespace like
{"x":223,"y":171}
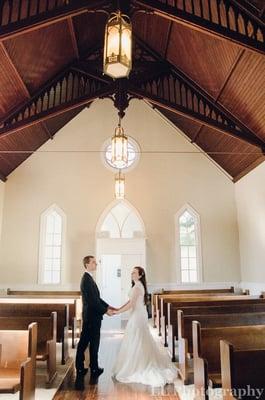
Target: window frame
{"x":42,"y":238}
{"x":196,"y":217}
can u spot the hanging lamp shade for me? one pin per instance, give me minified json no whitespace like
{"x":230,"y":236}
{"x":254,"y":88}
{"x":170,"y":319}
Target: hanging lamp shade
{"x":119,"y":148}
{"x":118,"y":46}
{"x":119,"y":186}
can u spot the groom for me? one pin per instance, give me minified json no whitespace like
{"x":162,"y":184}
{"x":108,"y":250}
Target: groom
{"x":93,"y":309}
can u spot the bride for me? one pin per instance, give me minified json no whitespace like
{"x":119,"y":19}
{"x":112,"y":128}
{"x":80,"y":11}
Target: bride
{"x":139,"y":359}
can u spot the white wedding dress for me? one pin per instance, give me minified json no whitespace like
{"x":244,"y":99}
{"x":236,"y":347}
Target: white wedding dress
{"x":140,"y":360}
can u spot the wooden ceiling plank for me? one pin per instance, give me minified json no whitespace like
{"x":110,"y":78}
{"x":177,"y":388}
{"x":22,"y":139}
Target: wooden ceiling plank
{"x":178,"y":93}
{"x":238,"y":58}
{"x":217,"y":24}
{"x":73,"y":36}
{"x":249,"y":168}
{"x":55,"y":11}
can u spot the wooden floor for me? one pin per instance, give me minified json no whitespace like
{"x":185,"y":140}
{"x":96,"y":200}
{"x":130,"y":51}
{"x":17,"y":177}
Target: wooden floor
{"x":107,"y":388}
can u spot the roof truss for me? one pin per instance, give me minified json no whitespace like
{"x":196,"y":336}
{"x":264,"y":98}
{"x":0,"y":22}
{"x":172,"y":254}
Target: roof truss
{"x":25,"y":15}
{"x":227,"y":19}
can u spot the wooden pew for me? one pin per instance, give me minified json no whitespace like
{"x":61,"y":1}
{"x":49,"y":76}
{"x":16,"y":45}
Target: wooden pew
{"x":46,"y":338}
{"x":18,"y":362}
{"x":73,"y":299}
{"x":43,"y":293}
{"x":164,"y":309}
{"x":207,"y":321}
{"x":163,"y":300}
{"x":204,"y":310}
{"x":242,"y":372}
{"x":155,"y":295}
{"x":43,"y":310}
{"x":206,"y":352}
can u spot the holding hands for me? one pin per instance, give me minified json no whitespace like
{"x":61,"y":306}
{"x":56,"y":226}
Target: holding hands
{"x":112,"y":311}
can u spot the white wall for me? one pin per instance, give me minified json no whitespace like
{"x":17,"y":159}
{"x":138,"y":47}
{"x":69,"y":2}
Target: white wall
{"x":250,"y":199}
{"x":66,"y":173}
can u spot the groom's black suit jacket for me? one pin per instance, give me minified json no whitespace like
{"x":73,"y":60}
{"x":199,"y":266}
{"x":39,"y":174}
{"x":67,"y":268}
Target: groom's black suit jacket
{"x":93,"y":306}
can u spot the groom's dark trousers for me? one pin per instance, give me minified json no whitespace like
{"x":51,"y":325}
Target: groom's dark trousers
{"x":93,"y":309}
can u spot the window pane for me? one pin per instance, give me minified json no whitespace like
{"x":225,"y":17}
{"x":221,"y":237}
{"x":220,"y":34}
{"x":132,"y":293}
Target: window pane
{"x":184,"y":251}
{"x":56,"y":264}
{"x":49,"y":239}
{"x":184,"y":263}
{"x":47,"y":277}
{"x":50,"y":224}
{"x":48,"y":252}
{"x":192,"y":263}
{"x":56,"y":252}
{"x":185,"y":276}
{"x":57,"y":224}
{"x":48,"y":263}
{"x":56,"y":277}
{"x":57,"y":238}
{"x":193,"y":276}
{"x":192,"y":251}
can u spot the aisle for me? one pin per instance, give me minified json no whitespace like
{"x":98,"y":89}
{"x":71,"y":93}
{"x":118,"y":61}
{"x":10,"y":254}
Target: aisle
{"x":107,"y":388}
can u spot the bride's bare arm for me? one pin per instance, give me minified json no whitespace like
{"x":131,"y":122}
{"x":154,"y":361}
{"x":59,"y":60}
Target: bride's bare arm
{"x":131,"y":302}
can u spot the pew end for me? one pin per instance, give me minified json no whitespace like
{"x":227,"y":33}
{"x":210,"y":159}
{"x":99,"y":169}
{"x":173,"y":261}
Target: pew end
{"x":242,"y":370}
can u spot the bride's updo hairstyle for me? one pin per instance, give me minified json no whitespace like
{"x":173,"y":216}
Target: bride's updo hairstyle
{"x":142,"y":279}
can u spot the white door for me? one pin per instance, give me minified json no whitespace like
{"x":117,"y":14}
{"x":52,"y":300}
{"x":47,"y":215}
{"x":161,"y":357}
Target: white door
{"x":116,"y":259}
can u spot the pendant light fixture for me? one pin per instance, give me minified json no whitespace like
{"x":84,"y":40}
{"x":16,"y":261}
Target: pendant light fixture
{"x":117,"y":62}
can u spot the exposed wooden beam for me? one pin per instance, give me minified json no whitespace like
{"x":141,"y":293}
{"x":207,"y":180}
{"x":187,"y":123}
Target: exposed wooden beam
{"x":197,"y":117}
{"x":231,"y":22}
{"x":15,"y":20}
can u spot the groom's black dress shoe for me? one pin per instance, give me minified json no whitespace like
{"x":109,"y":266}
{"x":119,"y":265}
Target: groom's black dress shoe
{"x":95,"y":373}
{"x":81,"y":372}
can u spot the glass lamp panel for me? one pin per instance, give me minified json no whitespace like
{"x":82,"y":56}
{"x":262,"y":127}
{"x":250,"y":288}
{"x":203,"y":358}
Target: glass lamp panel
{"x":119,"y":188}
{"x":113,"y":41}
{"x":126,"y":46}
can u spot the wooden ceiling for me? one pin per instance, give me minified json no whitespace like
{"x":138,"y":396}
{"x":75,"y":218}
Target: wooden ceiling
{"x":206,"y":75}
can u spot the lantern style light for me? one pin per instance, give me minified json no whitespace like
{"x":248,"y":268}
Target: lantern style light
{"x":117,"y":61}
{"x":119,"y":186}
{"x":119,"y":148}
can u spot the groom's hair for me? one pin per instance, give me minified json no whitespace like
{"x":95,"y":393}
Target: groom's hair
{"x":86,"y":260}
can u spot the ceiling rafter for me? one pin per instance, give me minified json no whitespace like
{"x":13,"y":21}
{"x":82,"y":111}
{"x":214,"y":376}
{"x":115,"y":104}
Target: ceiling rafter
{"x":176,"y":92}
{"x":24,"y":16}
{"x":226,"y":19}
{"x":68,"y":90}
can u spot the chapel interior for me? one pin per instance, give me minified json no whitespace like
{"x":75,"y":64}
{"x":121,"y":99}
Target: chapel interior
{"x":133,"y":131}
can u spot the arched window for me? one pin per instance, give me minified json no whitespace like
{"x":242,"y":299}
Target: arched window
{"x":51,"y":245}
{"x":188,"y":245}
{"x":121,"y":221}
